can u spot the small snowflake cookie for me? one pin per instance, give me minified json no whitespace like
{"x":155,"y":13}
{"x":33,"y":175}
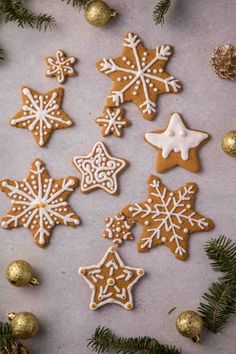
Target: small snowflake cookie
{"x":113,"y":121}
{"x":167,"y":217}
{"x":111,"y":281}
{"x":118,"y":229}
{"x":99,"y":170}
{"x":41,"y":114}
{"x":61,"y":66}
{"x":39,"y":203}
{"x":139,"y":75}
{"x":177,"y":145}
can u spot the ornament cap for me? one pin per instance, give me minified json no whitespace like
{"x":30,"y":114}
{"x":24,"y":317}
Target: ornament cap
{"x":34,"y":281}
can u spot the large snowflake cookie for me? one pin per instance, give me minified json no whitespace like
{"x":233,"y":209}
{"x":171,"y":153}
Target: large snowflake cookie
{"x":177,"y":145}
{"x":39,"y":203}
{"x":41,"y":113}
{"x":139,"y":75}
{"x":113,"y":121}
{"x":61,"y":66}
{"x":167,"y":217}
{"x":111,"y":281}
{"x":118,"y":229}
{"x":99,"y":169}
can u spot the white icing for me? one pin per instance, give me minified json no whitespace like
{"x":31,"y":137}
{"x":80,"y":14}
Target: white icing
{"x":60,"y":66}
{"x":176,"y":138}
{"x":113,"y":122}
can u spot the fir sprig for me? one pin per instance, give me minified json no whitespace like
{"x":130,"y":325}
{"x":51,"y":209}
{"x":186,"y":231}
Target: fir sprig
{"x":79,"y":3}
{"x":1,"y":54}
{"x":104,"y":340}
{"x":160,"y":11}
{"x":6,"y":337}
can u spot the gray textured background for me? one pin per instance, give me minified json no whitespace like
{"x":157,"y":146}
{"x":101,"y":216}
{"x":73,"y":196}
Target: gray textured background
{"x":207,"y":103}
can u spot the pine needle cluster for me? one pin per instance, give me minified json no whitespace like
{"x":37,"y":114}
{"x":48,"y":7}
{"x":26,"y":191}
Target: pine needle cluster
{"x":79,"y":3}
{"x":104,"y":340}
{"x":220,"y":300}
{"x":160,"y":11}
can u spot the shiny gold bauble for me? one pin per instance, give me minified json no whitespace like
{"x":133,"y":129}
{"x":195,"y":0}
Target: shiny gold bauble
{"x":24,"y":325}
{"x":189,"y":324}
{"x":98,"y":13}
{"x":228,"y":143}
{"x":19,"y":273}
{"x":223,"y":61}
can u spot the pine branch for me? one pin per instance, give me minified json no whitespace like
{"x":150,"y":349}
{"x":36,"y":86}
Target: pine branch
{"x":6,"y":337}
{"x":104,"y":340}
{"x":160,"y":11}
{"x":80,"y":3}
{"x":1,"y":54}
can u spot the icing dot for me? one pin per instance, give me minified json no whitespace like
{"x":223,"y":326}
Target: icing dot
{"x":182,"y":133}
{"x":134,"y":93}
{"x":147,"y":81}
{"x":188,"y":206}
{"x":145,"y":54}
{"x":185,"y":231}
{"x":155,"y":89}
{"x":149,"y":200}
{"x":171,"y":194}
{"x":160,"y":70}
{"x":128,"y":62}
{"x":154,"y":71}
{"x":146,"y":222}
{"x":143,"y":64}
{"x":118,"y":229}
{"x":131,"y":209}
{"x":124,"y":58}
{"x":119,"y":79}
{"x":163,"y":239}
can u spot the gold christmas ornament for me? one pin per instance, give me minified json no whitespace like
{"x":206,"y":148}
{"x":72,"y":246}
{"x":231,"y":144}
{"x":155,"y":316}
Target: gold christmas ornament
{"x":189,"y":324}
{"x":98,"y":13}
{"x":228,"y":143}
{"x":19,"y":273}
{"x":223,"y":61}
{"x":24,"y":325}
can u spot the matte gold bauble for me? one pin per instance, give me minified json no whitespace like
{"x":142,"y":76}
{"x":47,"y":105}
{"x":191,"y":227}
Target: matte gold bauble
{"x":228,"y":143}
{"x":98,"y":13}
{"x":24,"y":325}
{"x":19,"y":273}
{"x":223,"y":61}
{"x":189,"y":324}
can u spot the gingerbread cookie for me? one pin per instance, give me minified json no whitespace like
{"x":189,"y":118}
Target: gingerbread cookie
{"x":61,"y":66}
{"x":113,"y":121}
{"x":41,"y":113}
{"x":39,"y":203}
{"x":139,"y":75}
{"x":176,"y":145}
{"x":111,"y":281}
{"x":118,"y":229}
{"x":167,"y":217}
{"x":99,"y":170}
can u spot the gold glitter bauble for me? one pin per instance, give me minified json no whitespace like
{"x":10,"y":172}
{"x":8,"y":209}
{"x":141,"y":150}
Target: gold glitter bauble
{"x":223,"y":61}
{"x":19,"y":273}
{"x":98,"y":13}
{"x":189,"y":324}
{"x":228,"y":143}
{"x":24,"y":325}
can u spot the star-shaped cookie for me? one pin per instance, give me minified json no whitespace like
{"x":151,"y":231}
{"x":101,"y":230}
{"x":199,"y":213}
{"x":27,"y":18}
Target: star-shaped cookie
{"x":41,"y":113}
{"x":177,"y":145}
{"x":139,"y":75}
{"x":111,"y":281}
{"x":99,"y":170}
{"x":39,"y":203}
{"x":167,"y":217}
{"x":113,"y":121}
{"x":61,"y":66}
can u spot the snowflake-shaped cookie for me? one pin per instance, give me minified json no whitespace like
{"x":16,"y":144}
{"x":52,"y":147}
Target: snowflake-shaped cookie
{"x":118,"y":229}
{"x":41,"y":113}
{"x":111,"y":281}
{"x":139,"y":75}
{"x":167,"y":217}
{"x":99,"y":170}
{"x":113,"y":121}
{"x":61,"y":66}
{"x":39,"y":203}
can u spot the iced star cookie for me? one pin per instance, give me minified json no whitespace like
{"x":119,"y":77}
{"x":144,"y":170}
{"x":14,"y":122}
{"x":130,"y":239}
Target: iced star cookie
{"x":41,"y":114}
{"x":61,"y":66}
{"x":139,"y":75}
{"x":118,"y":229}
{"x":39,"y":203}
{"x":99,"y":170}
{"x":111,"y":281}
{"x":167,"y":217}
{"x":177,"y":145}
{"x":113,"y":121}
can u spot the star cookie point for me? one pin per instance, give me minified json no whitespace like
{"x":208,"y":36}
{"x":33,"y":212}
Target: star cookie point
{"x":61,"y":66}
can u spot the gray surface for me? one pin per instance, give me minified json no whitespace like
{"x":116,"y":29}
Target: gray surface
{"x":194,"y":28}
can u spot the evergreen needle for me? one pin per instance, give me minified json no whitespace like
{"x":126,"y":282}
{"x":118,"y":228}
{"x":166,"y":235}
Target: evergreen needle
{"x":160,"y":11}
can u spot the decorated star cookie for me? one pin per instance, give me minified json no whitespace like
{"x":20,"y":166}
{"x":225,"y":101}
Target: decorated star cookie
{"x":113,"y":121}
{"x":61,"y":66}
{"x":176,"y":145}
{"x":39,"y":203}
{"x":118,"y":229}
{"x":111,"y":281}
{"x":99,"y":170}
{"x":167,"y":217}
{"x":41,"y":113}
{"x":139,"y":75}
